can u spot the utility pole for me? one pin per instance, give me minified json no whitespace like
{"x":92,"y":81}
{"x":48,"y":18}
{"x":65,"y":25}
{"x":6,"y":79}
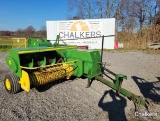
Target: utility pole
{"x":117,"y":14}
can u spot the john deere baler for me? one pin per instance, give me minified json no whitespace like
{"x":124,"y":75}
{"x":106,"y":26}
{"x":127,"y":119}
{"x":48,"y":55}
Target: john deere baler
{"x":34,"y":66}
{"x":43,"y":62}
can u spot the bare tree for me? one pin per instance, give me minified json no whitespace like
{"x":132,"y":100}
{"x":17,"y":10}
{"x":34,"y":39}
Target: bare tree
{"x":87,"y":9}
{"x":100,"y":8}
{"x":20,"y":33}
{"x":112,"y":8}
{"x":157,"y":13}
{"x":140,"y":10}
{"x":29,"y":31}
{"x":43,"y":32}
{"x":129,"y":14}
{"x":84,"y":9}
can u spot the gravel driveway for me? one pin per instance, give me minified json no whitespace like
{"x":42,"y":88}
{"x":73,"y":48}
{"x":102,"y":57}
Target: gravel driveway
{"x":71,"y":101}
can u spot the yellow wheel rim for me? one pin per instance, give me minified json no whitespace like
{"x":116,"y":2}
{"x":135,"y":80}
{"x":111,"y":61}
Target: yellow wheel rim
{"x":8,"y":84}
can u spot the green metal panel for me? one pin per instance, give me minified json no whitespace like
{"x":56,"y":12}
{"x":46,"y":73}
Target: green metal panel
{"x":38,"y":42}
{"x":87,"y":62}
{"x":79,"y":69}
{"x":13,"y":62}
{"x":34,"y":56}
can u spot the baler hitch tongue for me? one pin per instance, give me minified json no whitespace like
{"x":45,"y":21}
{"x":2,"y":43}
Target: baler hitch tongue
{"x":136,"y":99}
{"x":118,"y":87}
{"x":140,"y":101}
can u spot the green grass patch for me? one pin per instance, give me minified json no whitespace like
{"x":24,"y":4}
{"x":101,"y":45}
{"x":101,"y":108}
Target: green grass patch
{"x":5,"y":44}
{"x":6,"y":41}
{"x":5,"y":48}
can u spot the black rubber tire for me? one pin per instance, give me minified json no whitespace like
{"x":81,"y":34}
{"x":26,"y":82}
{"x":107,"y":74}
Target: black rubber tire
{"x":14,"y":82}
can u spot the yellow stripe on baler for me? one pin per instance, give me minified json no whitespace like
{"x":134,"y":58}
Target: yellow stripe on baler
{"x":45,"y":49}
{"x":69,"y":62}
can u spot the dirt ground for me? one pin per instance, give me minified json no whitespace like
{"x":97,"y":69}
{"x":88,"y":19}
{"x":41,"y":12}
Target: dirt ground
{"x":72,"y":101}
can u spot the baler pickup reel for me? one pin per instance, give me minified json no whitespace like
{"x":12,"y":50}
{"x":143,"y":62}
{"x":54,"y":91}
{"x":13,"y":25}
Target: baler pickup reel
{"x":42,"y":75}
